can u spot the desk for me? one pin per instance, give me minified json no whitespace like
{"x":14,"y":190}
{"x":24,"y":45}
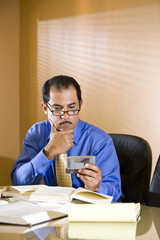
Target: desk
{"x":148,"y":228}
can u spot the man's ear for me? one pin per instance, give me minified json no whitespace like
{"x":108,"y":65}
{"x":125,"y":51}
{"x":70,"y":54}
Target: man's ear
{"x":80,"y":104}
{"x":44,"y":107}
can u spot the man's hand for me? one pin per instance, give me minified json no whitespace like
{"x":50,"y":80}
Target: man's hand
{"x":60,"y":142}
{"x":91,"y":176}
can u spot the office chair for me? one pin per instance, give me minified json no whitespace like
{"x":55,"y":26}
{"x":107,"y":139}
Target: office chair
{"x":135,"y":159}
{"x":153,"y":198}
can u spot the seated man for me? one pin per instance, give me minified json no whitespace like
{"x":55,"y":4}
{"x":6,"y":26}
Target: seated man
{"x":65,"y":132}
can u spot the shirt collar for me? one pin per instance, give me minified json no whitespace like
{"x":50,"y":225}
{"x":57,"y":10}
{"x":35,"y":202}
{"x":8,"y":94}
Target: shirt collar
{"x":77,"y":132}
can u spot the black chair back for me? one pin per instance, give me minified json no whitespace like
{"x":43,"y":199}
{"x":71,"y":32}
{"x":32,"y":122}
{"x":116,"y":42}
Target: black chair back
{"x":153,"y":198}
{"x":135,"y":158}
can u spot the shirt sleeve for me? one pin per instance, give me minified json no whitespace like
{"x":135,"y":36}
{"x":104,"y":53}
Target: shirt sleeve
{"x":108,"y":163}
{"x":32,"y":164}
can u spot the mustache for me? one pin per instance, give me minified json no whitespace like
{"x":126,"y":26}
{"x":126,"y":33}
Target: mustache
{"x":65,"y":122}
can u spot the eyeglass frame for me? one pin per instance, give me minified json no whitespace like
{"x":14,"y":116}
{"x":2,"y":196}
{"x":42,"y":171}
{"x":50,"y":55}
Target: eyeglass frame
{"x":62,"y":111}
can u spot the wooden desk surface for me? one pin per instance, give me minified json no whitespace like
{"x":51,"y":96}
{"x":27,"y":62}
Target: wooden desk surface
{"x":148,"y":228}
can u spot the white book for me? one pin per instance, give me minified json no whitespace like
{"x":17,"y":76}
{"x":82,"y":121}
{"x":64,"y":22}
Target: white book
{"x":26,"y":214}
{"x":54,"y":194}
{"x":114,"y":212}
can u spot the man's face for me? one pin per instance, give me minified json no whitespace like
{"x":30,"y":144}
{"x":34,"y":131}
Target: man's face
{"x":66,"y":99}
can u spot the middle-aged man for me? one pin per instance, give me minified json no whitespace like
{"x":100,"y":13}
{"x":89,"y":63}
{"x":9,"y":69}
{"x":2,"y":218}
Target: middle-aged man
{"x":65,"y":132}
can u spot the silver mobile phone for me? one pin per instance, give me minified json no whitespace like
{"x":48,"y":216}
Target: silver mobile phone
{"x":77,"y":162}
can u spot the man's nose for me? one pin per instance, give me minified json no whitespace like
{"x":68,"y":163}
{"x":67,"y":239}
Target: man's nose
{"x":64,"y":116}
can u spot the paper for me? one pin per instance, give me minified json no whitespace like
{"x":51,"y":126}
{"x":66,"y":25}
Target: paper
{"x":54,"y":194}
{"x":39,"y":193}
{"x":90,"y":196}
{"x":3,"y":202}
{"x":27,"y":214}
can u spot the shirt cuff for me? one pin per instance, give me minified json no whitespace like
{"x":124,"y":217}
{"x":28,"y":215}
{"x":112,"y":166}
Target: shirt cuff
{"x":40,"y":163}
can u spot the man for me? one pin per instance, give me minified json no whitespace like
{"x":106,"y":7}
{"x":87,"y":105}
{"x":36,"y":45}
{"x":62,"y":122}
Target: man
{"x":65,"y":132}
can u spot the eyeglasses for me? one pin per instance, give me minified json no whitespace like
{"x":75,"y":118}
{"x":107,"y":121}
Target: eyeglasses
{"x":62,"y":112}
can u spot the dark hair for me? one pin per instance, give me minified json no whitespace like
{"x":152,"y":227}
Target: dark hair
{"x":60,"y":82}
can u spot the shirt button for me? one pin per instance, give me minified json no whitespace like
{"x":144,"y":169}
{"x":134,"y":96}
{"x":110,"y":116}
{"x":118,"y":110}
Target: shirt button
{"x":43,"y":165}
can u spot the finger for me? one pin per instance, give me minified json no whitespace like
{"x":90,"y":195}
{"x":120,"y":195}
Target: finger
{"x":53,"y":128}
{"x":92,"y":167}
{"x":88,"y":181}
{"x":87,"y":173}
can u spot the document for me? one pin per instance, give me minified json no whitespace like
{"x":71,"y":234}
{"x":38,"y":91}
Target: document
{"x":114,"y":212}
{"x":54,"y":194}
{"x":26,"y":214}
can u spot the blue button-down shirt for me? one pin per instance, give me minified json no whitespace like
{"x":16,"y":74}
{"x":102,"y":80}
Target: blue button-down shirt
{"x":32,"y":165}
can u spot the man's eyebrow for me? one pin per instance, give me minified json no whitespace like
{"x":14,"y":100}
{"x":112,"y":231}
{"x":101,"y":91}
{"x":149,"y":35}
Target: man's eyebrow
{"x":70,"y":104}
{"x":58,"y":105}
{"x":55,"y":105}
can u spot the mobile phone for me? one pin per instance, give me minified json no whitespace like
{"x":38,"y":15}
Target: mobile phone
{"x":78,"y":162}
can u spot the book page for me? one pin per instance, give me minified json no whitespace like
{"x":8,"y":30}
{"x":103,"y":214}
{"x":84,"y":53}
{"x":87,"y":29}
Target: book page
{"x":40,"y":189}
{"x":25,"y":213}
{"x":119,"y":212}
{"x":3,"y":202}
{"x":39,"y":192}
{"x":51,"y":206}
{"x":90,"y":196}
{"x":52,"y":194}
{"x":20,"y":189}
{"x":49,"y":190}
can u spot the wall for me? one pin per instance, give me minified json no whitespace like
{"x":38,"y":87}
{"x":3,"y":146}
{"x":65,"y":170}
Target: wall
{"x":118,"y":70}
{"x":9,"y":87}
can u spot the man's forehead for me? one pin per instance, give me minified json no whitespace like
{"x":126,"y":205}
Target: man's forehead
{"x":63,"y":97}
{"x":71,"y":89}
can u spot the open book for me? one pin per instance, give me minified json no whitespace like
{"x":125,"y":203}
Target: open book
{"x":115,"y":212}
{"x":26,"y":214}
{"x":54,"y":194}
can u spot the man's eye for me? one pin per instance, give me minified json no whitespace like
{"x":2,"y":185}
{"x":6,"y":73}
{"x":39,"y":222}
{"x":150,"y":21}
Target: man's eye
{"x":72,"y":107}
{"x":58,"y":108}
